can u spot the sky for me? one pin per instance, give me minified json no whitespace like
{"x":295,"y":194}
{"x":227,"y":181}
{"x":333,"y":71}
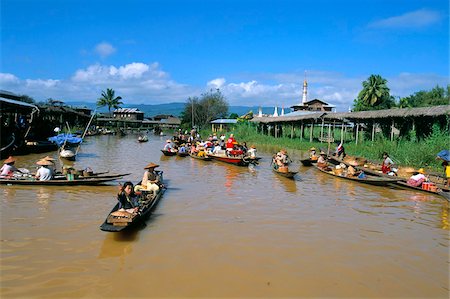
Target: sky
{"x":255,"y":52}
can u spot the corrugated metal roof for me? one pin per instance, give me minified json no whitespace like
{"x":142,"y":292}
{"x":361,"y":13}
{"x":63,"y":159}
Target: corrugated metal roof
{"x":224,"y":121}
{"x":128,"y":110}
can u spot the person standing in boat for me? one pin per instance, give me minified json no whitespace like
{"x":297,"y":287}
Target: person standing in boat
{"x":340,"y":151}
{"x":386,"y":164}
{"x":231,"y":142}
{"x":44,"y":173}
{"x":8,"y":168}
{"x":128,"y":200}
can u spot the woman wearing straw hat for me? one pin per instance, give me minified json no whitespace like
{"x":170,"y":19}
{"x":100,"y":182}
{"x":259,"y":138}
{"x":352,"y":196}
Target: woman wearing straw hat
{"x":44,"y":173}
{"x":150,"y":181}
{"x":8,"y":168}
{"x":417,"y":179}
{"x":322,"y":160}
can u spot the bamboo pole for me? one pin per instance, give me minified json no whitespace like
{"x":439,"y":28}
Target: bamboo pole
{"x":342,"y":132}
{"x":321,"y":130}
{"x":311,"y":132}
{"x":392,"y":131}
{"x":301,"y":132}
{"x":357,"y":132}
{"x":373,"y":131}
{"x":292,"y":131}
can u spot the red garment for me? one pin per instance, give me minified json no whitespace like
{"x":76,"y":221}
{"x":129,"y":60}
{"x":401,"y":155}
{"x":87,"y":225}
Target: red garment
{"x":231,"y":142}
{"x":385,"y":168}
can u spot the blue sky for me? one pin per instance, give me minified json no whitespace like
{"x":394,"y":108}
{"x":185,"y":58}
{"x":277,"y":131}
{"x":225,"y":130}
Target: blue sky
{"x":256,"y":52}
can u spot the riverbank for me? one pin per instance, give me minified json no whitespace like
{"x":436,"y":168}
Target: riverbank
{"x":404,"y":152}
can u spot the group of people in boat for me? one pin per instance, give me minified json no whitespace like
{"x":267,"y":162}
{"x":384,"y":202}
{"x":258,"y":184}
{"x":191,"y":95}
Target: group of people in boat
{"x":213,"y":145}
{"x":45,"y":171}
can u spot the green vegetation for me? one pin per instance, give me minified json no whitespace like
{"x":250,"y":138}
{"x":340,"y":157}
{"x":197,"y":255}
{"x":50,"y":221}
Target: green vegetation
{"x":109,"y":99}
{"x":201,"y":111}
{"x":436,"y":96}
{"x":374,"y":95}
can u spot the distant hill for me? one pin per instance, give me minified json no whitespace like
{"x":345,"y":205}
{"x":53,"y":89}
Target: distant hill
{"x":172,"y":108}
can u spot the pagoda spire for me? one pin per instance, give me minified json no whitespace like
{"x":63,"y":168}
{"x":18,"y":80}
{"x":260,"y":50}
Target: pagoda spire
{"x":305,"y":91}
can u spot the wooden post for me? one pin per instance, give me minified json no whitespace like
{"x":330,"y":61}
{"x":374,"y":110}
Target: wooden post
{"x":357,"y":132}
{"x":321,"y":130}
{"x":342,"y":131}
{"x":373,"y":131}
{"x":329,"y":138}
{"x":392,"y":131}
{"x":334,"y":128}
{"x":301,"y":132}
{"x":311,"y":132}
{"x":292,"y":131}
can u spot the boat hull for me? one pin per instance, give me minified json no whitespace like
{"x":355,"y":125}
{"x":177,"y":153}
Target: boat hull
{"x":231,"y":160}
{"x":145,"y":213}
{"x":370,"y":180}
{"x":167,"y":153}
{"x":58,"y":182}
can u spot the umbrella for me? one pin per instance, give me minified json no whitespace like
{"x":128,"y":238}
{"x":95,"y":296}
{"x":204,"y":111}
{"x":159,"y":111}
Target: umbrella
{"x":444,"y":155}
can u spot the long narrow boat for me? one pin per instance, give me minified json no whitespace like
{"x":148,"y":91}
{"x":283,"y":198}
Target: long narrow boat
{"x":58,"y":182}
{"x":442,"y":192}
{"x":289,"y":174}
{"x":401,"y":182}
{"x":308,"y":162}
{"x":185,"y":154}
{"x":168,"y":153}
{"x":369,"y":179}
{"x":235,"y":160}
{"x":117,"y":223}
{"x":97,"y":176}
{"x":204,"y":158}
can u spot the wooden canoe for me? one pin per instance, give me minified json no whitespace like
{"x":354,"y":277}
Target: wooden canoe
{"x":185,"y":154}
{"x":289,"y":174}
{"x":370,"y":179}
{"x":148,"y":203}
{"x":441,"y":192}
{"x":167,"y":153}
{"x":204,"y":158}
{"x":97,"y":176}
{"x":57,"y":182}
{"x":308,"y":162}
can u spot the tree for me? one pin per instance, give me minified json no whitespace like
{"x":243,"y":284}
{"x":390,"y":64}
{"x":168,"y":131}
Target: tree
{"x":436,"y":96}
{"x":109,"y":99}
{"x":374,"y":95}
{"x":201,"y":111}
{"x":233,"y":115}
{"x":26,"y":99}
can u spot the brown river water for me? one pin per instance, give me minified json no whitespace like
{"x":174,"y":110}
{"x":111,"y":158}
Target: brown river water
{"x":221,"y":231}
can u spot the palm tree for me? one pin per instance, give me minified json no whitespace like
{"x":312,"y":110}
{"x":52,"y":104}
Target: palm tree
{"x":374,"y":92}
{"x":109,"y":99}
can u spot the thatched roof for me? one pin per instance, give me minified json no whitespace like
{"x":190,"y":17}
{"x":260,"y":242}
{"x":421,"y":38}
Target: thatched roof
{"x":362,"y":115}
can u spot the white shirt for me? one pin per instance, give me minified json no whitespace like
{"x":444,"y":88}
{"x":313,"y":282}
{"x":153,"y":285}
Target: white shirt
{"x":418,"y":177}
{"x":44,"y":174}
{"x":252,"y":152}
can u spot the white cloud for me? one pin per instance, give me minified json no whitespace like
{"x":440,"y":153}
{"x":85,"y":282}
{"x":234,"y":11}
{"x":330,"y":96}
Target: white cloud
{"x":104,"y":49}
{"x":140,"y":83}
{"x":6,"y":78}
{"x":216,"y":83}
{"x":415,"y":19}
{"x":41,"y":83}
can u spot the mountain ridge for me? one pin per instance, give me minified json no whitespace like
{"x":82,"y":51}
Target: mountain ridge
{"x":174,"y":108}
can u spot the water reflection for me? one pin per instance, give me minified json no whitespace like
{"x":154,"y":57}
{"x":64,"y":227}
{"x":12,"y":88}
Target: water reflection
{"x":289,"y":185}
{"x":44,"y":194}
{"x":118,"y":245}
